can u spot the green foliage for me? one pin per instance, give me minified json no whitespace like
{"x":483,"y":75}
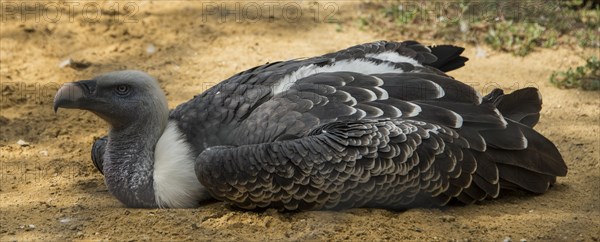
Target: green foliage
{"x":518,"y":27}
{"x":519,"y":39}
{"x":400,"y":15}
{"x":363,"y":22}
{"x":586,"y":77}
{"x":588,"y":38}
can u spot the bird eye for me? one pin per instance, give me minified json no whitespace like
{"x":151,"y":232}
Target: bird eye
{"x":122,"y":89}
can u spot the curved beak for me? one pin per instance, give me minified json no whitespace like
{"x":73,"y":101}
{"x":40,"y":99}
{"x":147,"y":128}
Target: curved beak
{"x":73,"y":94}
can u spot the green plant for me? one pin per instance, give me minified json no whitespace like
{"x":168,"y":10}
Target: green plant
{"x":586,"y":77}
{"x":401,"y":16}
{"x":518,"y":27}
{"x":518,"y":38}
{"x":363,"y":22}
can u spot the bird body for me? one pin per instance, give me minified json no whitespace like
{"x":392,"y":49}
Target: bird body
{"x":375,"y":125}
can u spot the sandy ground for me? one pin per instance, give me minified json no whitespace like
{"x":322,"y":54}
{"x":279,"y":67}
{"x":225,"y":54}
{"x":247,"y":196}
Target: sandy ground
{"x":49,"y":189}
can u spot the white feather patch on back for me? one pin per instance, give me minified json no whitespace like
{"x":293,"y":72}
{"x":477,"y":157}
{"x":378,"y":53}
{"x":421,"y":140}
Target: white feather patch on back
{"x":175,"y":181}
{"x":356,"y":65}
{"x":393,"y":56}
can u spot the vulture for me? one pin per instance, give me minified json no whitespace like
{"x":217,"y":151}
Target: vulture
{"x":377,"y":125}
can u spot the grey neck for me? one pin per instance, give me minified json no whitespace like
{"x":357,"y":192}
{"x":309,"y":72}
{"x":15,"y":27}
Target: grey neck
{"x":129,"y":162}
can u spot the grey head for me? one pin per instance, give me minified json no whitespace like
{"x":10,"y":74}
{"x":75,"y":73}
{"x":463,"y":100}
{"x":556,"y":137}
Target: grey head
{"x":135,"y":108}
{"x":120,"y":98}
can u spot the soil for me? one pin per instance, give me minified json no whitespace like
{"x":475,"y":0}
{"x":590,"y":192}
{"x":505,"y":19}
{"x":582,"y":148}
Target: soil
{"x":50,"y":190}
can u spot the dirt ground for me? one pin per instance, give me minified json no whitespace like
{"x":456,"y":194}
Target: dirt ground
{"x":49,"y":189}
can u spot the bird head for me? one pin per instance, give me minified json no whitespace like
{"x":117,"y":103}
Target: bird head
{"x":120,"y":98}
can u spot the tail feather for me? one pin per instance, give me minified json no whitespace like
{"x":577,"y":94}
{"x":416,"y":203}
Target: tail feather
{"x":523,"y":105}
{"x":509,"y":138}
{"x":535,"y":166}
{"x":540,"y":156}
{"x":525,"y":179}
{"x":448,"y":57}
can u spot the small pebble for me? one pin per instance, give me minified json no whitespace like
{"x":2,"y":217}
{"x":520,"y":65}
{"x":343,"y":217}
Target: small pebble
{"x":507,"y":239}
{"x":29,"y":29}
{"x":75,"y":64}
{"x":523,"y":240}
{"x":480,"y":52}
{"x":64,"y":63}
{"x":150,"y":49}
{"x":44,"y":152}
{"x":22,"y":143}
{"x":448,"y":218}
{"x":31,"y":226}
